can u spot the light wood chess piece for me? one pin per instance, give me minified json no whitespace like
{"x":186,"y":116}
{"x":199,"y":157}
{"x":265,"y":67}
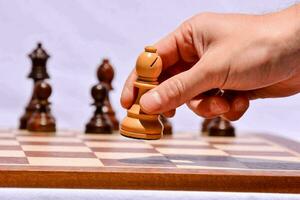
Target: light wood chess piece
{"x":137,"y":124}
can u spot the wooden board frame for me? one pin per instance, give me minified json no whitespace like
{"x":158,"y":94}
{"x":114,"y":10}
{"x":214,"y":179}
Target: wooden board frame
{"x":156,"y":179}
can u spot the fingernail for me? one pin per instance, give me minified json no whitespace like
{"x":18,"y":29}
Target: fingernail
{"x":218,"y":108}
{"x":151,"y":102}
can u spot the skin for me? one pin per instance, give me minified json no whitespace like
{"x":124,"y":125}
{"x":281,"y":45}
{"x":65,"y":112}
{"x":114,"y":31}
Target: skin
{"x":247,"y":56}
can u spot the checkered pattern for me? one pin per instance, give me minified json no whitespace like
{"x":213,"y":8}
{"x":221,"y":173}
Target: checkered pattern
{"x":182,"y":151}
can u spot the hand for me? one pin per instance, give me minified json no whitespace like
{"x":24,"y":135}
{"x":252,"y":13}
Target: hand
{"x":253,"y":56}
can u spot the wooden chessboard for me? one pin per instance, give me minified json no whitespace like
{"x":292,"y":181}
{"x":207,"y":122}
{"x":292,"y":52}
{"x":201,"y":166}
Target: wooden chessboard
{"x":185,"y":161}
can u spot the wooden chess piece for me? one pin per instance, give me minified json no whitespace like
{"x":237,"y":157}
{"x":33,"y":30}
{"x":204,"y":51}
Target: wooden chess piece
{"x":205,"y":125}
{"x":105,"y":75}
{"x":137,"y":124}
{"x":42,"y":120}
{"x":38,"y":72}
{"x":100,"y":122}
{"x":220,"y":127}
{"x":167,"y":125}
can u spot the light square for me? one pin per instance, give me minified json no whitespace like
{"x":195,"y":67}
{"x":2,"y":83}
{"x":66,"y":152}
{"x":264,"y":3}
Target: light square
{"x":119,"y":145}
{"x":9,"y":143}
{"x":117,"y":155}
{"x":239,"y":147}
{"x":11,"y":153}
{"x":55,"y":148}
{"x":47,"y":139}
{"x":71,"y":162}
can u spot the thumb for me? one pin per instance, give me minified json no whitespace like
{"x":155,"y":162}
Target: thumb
{"x":180,"y":88}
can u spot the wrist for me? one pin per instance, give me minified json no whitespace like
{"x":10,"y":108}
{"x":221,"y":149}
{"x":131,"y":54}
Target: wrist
{"x":282,"y":32}
{"x":293,"y":44}
{"x":294,"y":15}
{"x":288,"y":26}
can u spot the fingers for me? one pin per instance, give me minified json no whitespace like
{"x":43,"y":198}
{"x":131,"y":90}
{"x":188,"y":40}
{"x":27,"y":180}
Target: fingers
{"x":168,"y":50}
{"x":178,"y":46}
{"x":128,"y":93}
{"x":176,"y":90}
{"x":230,"y":108}
{"x":209,"y":107}
{"x":238,"y":106}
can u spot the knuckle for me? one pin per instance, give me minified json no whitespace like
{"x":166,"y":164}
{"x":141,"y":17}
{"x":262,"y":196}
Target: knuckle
{"x":187,"y":23}
{"x":203,"y":16}
{"x":197,"y":19}
{"x":194,"y":21}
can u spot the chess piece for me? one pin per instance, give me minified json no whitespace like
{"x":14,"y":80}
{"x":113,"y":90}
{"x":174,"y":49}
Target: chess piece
{"x":167,"y":125}
{"x":205,"y":124}
{"x":100,"y":122}
{"x":137,"y":124}
{"x":105,"y":75}
{"x":38,"y":72}
{"x":220,"y":127}
{"x":42,"y":120}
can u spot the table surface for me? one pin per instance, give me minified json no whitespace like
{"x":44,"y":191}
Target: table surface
{"x":184,"y":161}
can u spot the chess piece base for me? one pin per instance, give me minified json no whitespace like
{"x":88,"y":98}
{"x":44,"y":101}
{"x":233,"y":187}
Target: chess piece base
{"x":24,"y":120}
{"x":28,"y":112}
{"x":141,"y":128}
{"x":205,"y":125}
{"x":41,"y":122}
{"x":221,"y":133}
{"x":91,"y":128}
{"x":167,"y":130}
{"x":98,"y":125}
{"x":142,"y":136}
{"x":220,"y":127}
{"x":167,"y":125}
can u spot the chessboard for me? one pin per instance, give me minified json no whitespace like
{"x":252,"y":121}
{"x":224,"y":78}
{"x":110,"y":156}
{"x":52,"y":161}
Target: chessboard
{"x":184,"y":161}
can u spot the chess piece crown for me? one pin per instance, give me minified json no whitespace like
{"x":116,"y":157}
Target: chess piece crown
{"x":39,"y":58}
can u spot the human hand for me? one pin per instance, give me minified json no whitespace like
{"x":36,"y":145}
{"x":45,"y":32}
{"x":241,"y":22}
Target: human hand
{"x":253,"y":56}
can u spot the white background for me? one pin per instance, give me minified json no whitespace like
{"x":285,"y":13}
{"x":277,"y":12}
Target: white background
{"x":78,"y":34}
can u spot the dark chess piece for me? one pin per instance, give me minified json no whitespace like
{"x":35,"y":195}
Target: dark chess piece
{"x":105,"y":75}
{"x":205,"y":124}
{"x":167,"y":125}
{"x":42,"y":120}
{"x":100,"y":122}
{"x":38,"y":72}
{"x":220,"y":127}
